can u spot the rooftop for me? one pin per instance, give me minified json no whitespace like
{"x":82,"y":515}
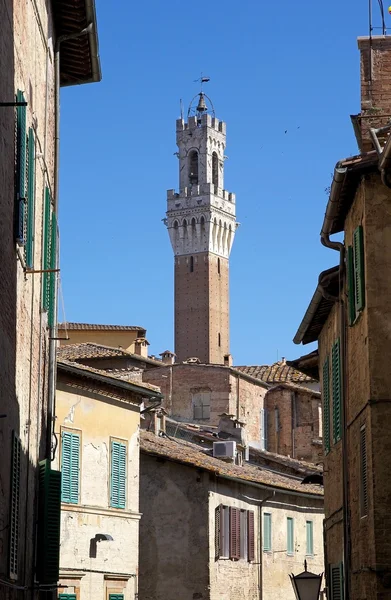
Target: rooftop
{"x":95,"y":327}
{"x":136,"y":387}
{"x":79,"y":56}
{"x":90,"y":350}
{"x":190,"y":454}
{"x":279,"y":372}
{"x":307,"y":364}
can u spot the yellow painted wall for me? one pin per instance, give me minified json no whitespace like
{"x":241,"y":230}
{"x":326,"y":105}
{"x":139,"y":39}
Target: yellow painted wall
{"x":125,"y":339}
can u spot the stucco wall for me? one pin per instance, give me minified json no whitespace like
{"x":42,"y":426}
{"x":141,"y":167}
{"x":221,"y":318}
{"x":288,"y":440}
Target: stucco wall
{"x":116,"y":339}
{"x":23,"y":335}
{"x":97,"y":419}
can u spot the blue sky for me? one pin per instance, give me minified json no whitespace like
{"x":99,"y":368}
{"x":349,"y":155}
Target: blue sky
{"x":274,"y":67}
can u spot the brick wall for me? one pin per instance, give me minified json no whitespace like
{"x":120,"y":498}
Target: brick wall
{"x":201,"y":308}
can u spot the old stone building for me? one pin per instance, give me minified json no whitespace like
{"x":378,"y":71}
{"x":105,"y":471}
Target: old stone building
{"x":97,"y":432}
{"x":201,"y":223}
{"x":218,"y":531}
{"x":349,"y":316}
{"x":43,"y":46}
{"x":128,"y":337}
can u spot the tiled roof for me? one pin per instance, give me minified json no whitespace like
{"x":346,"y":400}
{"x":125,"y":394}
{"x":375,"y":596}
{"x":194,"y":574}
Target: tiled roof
{"x":113,"y":379}
{"x":276,"y":373}
{"x":88,"y":350}
{"x":190,"y":454}
{"x":295,"y":387}
{"x":307,"y":364}
{"x":95,"y":327}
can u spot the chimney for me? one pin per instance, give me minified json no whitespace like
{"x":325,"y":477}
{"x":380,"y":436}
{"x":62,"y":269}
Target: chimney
{"x":168,"y":357}
{"x":228,"y":360}
{"x":375,"y":89}
{"x":141,"y":347}
{"x":156,"y":421}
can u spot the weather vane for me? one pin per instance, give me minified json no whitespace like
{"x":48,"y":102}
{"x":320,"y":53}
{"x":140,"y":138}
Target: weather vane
{"x":202,"y":80}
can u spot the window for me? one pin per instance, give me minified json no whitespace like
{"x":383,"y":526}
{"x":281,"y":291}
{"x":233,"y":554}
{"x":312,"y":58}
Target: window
{"x":215,"y":169}
{"x":191,"y":264}
{"x":193,"y":167}
{"x":67,"y":597}
{"x":116,"y":597}
{"x":337,"y":391}
{"x":49,"y":512}
{"x":356,"y":278}
{"x":218,"y":266}
{"x":70,"y":467}
{"x":363,"y":473}
{"x":49,"y":258}
{"x":290,"y":542}
{"x":219,"y":339}
{"x":267,"y":532}
{"x":118,"y":475}
{"x":326,"y":405}
{"x":336,"y":581}
{"x":21,"y":169}
{"x":201,"y":405}
{"x":14,"y":509}
{"x":263,"y":429}
{"x":234,"y":533}
{"x":309,"y":538}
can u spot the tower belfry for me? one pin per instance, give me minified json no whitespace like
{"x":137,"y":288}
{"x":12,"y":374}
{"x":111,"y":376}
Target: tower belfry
{"x":201,"y":223}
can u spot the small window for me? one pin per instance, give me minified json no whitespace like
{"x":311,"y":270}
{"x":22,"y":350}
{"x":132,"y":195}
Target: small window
{"x":70,"y":467}
{"x":218,"y":266}
{"x":118,"y":475}
{"x":336,"y":581}
{"x":309,"y":538}
{"x":191,"y":264}
{"x":215,"y":169}
{"x":201,"y":405}
{"x":290,"y":542}
{"x":193,"y":167}
{"x":267,"y":532}
{"x":234,"y":533}
{"x":219,"y":340}
{"x":263,"y":429}
{"x":363,"y":473}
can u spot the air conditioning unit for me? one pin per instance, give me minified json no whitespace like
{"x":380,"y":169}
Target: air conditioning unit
{"x":224,"y":449}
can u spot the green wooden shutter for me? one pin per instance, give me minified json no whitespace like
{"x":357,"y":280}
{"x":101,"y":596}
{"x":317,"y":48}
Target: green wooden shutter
{"x":14,"y":508}
{"x":20,"y":169}
{"x":70,"y":465}
{"x":29,"y":247}
{"x":67,"y":597}
{"x":52,"y":276}
{"x":116,"y":597}
{"x":326,"y":405}
{"x":337,"y":391}
{"x":351,"y":293}
{"x":290,"y":536}
{"x":46,"y":249}
{"x":218,"y":544}
{"x":118,"y":475}
{"x":336,"y":582}
{"x":358,"y":260}
{"x":363,"y":472}
{"x":267,"y":532}
{"x":309,"y":538}
{"x":48,"y":547}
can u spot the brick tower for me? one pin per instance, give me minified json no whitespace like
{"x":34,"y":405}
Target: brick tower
{"x":201,"y":223}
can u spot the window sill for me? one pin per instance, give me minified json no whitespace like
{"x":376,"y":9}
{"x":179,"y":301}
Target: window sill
{"x":98,"y":510}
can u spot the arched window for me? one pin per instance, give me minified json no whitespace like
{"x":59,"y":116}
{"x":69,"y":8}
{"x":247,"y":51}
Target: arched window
{"x":215,"y":169}
{"x":218,"y":266}
{"x":191,"y":264}
{"x":193,"y":167}
{"x":219,"y":340}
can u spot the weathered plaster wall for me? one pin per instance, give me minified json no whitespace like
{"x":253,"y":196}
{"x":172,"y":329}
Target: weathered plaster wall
{"x":98,"y":418}
{"x":116,"y":339}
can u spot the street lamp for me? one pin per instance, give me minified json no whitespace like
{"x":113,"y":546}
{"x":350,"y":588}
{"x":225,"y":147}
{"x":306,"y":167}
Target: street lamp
{"x":306,"y":585}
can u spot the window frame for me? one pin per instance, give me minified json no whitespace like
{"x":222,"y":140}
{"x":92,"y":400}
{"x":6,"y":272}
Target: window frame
{"x":267,"y":544}
{"x":120,"y":505}
{"x":309,"y":539}
{"x":234,"y":533}
{"x":74,"y":433}
{"x":290,"y":536}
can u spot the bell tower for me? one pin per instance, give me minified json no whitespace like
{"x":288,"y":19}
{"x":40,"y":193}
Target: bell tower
{"x":201,"y":223}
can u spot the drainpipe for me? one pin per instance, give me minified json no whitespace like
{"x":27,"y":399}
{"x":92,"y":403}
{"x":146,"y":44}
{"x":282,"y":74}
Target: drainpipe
{"x":52,"y":375}
{"x":325,"y":239}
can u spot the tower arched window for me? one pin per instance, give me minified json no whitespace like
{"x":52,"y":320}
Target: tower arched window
{"x":191,"y":264}
{"x":215,"y":169}
{"x":193,"y":167}
{"x":218,"y":266}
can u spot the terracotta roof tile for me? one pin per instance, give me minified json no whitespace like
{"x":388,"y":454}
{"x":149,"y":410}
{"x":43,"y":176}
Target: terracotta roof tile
{"x":190,"y":454}
{"x":95,"y":327}
{"x":276,"y":373}
{"x":87,"y":350}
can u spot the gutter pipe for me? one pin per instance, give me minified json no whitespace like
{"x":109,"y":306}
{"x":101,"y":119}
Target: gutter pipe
{"x":339,"y":176}
{"x":53,"y":329}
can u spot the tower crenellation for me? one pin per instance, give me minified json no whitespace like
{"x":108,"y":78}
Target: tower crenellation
{"x":201,"y":221}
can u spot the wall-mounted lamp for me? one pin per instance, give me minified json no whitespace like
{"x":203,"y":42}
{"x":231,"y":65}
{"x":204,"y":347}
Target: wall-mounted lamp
{"x":99,"y":537}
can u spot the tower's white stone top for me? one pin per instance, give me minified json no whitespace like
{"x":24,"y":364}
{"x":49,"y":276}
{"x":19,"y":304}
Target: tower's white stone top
{"x":202,"y":216}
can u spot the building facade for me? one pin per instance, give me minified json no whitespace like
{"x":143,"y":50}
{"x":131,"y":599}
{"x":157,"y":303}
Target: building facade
{"x":131,"y":338}
{"x":349,"y":316}
{"x":237,"y":534}
{"x":31,"y":50}
{"x":201,"y":223}
{"x":97,"y":429}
